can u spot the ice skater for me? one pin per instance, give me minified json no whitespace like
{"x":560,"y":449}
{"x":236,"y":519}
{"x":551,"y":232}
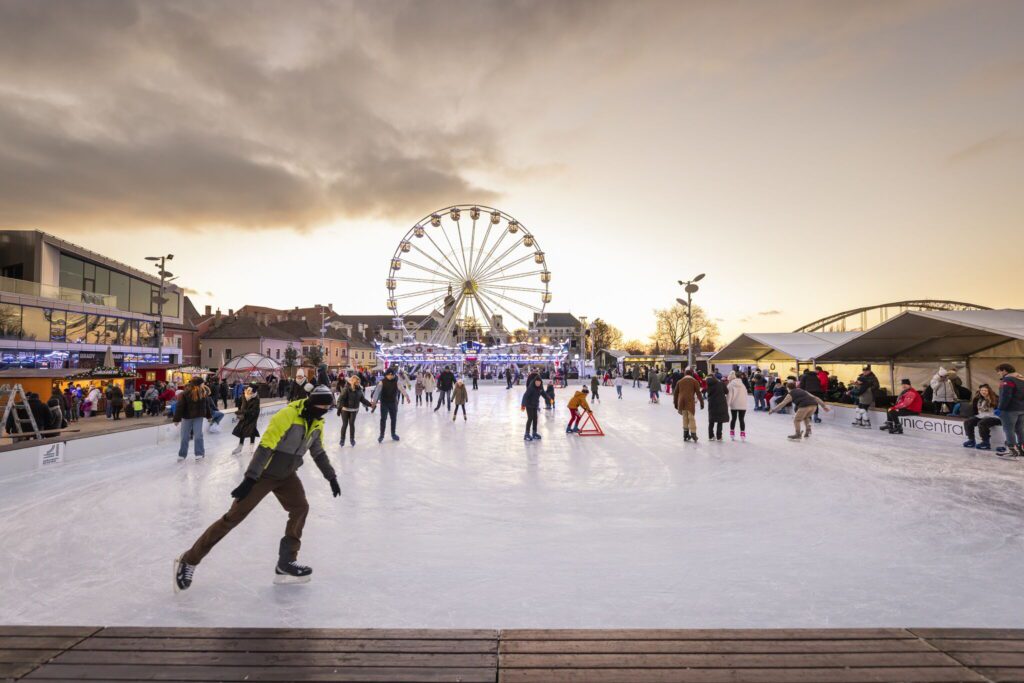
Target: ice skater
{"x":429,"y":385}
{"x":863,"y":399}
{"x":419,"y":389}
{"x":248,"y":416}
{"x":595,"y":386}
{"x":718,"y":407}
{"x":349,"y":400}
{"x":805,"y":404}
{"x":530,"y":404}
{"x":618,"y":385}
{"x":296,"y":428}
{"x":549,"y":396}
{"x":653,"y":385}
{"x":685,"y":396}
{"x":739,"y":399}
{"x":577,"y":403}
{"x":189,"y":412}
{"x":445,"y":384}
{"x":386,"y":395}
{"x":460,"y":397}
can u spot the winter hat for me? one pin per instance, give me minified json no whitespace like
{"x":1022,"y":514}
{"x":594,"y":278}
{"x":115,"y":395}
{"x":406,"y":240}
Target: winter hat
{"x":906,"y":382}
{"x":389,"y":371}
{"x":321,"y":396}
{"x":942,"y":372}
{"x":585,"y":390}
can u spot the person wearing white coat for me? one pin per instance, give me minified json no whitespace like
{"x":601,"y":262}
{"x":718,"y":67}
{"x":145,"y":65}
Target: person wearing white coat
{"x":944,"y":394}
{"x":429,"y":385}
{"x":739,"y":398}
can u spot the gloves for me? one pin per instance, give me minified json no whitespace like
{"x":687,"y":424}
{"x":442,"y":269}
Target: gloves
{"x":335,"y":488}
{"x":243,"y":489}
{"x":997,"y":411}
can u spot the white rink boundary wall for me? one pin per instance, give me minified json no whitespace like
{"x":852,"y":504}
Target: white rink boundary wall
{"x":949,"y":431}
{"x":53,"y":454}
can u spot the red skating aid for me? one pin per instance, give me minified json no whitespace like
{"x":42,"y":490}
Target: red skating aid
{"x":593,"y":430}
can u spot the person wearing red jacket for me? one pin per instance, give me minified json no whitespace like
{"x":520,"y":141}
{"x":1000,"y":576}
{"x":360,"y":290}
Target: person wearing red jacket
{"x":908,"y":403}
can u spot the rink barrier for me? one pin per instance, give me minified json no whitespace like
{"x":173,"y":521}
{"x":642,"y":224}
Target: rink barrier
{"x":29,"y":457}
{"x":948,"y":430}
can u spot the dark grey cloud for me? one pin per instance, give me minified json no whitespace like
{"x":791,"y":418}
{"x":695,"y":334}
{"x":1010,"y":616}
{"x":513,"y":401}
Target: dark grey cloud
{"x":771,"y":312}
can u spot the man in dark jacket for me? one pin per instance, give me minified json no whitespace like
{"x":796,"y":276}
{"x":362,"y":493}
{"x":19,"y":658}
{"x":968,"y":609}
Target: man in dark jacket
{"x":190,"y":411}
{"x":1011,"y":408}
{"x":222,"y":393}
{"x":445,"y":384}
{"x":810,"y":382}
{"x":294,"y":430}
{"x":386,"y":394}
{"x":531,"y":404}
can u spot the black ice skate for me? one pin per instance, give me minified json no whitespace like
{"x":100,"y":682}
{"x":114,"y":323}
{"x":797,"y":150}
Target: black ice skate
{"x":182,"y":575}
{"x":291,"y":572}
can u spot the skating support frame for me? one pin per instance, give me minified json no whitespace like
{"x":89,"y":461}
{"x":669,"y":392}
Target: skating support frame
{"x":593,"y":430}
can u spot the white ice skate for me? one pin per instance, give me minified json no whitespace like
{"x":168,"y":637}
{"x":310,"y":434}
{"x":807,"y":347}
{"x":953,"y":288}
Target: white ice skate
{"x":292,"y":572}
{"x":250,"y":449}
{"x":238,"y":449}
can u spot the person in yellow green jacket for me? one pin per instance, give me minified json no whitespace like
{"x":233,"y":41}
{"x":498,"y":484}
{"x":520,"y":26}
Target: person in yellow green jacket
{"x":578,"y":400}
{"x":297,"y":428}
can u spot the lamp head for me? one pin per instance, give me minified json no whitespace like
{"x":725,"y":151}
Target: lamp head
{"x":699,"y":278}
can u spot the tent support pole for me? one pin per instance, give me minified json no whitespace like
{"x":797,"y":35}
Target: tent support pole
{"x":967,"y":373}
{"x":892,"y":376}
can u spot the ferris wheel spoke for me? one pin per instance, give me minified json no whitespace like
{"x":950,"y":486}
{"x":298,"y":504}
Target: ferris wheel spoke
{"x":486,"y":269}
{"x":462,"y":246}
{"x":516,"y":276}
{"x":498,"y":305}
{"x":421,"y":293}
{"x":416,"y":279}
{"x":443,"y":254}
{"x":450,"y":245}
{"x":483,"y":245}
{"x":487,"y":312}
{"x":498,"y":267}
{"x":452,"y":273}
{"x":472,"y":246}
{"x":483,"y":263}
{"x":540,"y":290}
{"x":514,"y":301}
{"x":421,"y":306}
{"x":443,"y":276}
{"x":448,"y":322}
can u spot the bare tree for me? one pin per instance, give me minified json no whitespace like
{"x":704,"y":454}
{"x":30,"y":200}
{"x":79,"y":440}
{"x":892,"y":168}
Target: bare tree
{"x":671,"y":332}
{"x":605,"y":336}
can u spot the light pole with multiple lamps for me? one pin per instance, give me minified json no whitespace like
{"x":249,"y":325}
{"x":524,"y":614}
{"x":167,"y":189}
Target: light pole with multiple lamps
{"x":165,"y":277}
{"x":691,"y":288}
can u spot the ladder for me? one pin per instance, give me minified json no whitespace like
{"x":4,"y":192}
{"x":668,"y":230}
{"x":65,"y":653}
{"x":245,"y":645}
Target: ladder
{"x":15,"y":401}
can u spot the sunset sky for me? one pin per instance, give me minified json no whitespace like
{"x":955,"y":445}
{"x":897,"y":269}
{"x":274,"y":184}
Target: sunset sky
{"x":808,"y":156}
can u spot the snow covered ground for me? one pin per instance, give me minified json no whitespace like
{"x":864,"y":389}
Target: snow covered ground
{"x":463,"y":525}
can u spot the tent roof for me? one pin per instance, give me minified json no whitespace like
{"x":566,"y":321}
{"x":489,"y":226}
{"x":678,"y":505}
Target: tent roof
{"x":932,"y":336}
{"x":801,"y":346}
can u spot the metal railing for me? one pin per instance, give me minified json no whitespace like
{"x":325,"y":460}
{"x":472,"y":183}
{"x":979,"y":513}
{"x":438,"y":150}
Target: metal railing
{"x":28,"y":288}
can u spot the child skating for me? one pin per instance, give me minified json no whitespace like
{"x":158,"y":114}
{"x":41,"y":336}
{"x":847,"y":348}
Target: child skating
{"x":595,"y":386}
{"x":460,"y":396}
{"x":577,"y":406}
{"x":296,"y":428}
{"x":549,"y":396}
{"x":618,"y":385}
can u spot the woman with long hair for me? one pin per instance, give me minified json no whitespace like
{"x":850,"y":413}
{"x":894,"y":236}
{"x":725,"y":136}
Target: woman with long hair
{"x":248,"y":417}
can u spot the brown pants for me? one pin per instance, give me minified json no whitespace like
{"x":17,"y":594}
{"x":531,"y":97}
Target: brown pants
{"x":292,"y":498}
{"x":689,"y":421}
{"x":803,"y":415}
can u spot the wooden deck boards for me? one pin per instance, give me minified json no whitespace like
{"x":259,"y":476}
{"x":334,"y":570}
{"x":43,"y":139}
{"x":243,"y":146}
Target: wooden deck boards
{"x":513,"y":656}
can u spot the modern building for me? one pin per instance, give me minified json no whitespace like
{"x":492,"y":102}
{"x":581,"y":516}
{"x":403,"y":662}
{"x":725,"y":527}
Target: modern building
{"x":62,"y":305}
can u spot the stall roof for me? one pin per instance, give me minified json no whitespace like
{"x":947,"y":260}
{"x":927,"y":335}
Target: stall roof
{"x":931,"y":336}
{"x":801,"y":346}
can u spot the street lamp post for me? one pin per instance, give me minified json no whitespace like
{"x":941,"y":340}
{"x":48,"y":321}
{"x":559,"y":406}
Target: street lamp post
{"x":160,"y":301}
{"x":691,"y":288}
{"x":583,"y":346}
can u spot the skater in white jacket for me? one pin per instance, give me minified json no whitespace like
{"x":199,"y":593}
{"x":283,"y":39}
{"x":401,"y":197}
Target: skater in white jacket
{"x":739,"y":398}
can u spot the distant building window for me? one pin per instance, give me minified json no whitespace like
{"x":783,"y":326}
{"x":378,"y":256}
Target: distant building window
{"x":209,"y":353}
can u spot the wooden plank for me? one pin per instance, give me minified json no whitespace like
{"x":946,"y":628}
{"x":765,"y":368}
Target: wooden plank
{"x":55,"y":631}
{"x":852,"y":675}
{"x":972,"y":645}
{"x":1007,"y":675}
{"x":27,"y":655}
{"x":711,"y":646}
{"x":256,"y":659}
{"x":16,"y":669}
{"x":705,"y":661}
{"x":974,"y":633}
{"x":37,"y":642}
{"x":82,"y":672}
{"x":987,"y":659}
{"x":292,"y":645}
{"x":704,"y":634}
{"x":326,"y":633}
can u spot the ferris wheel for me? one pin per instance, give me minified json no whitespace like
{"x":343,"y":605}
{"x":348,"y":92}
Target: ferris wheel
{"x":467,"y":272}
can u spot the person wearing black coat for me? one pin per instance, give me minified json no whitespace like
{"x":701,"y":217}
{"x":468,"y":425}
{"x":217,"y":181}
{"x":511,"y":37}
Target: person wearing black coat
{"x":116,"y":398}
{"x":350,"y":397}
{"x":445,"y":384}
{"x":531,"y":404}
{"x":222,"y":393}
{"x":718,"y":407}
{"x":248,"y":416}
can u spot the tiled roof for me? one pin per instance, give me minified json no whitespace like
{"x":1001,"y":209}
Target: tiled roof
{"x":247,"y":328}
{"x":560,"y":320}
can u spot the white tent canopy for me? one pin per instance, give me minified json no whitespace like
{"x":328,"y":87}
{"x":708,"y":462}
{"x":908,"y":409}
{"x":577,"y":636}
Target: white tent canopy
{"x":932,"y":336}
{"x":798,"y":346}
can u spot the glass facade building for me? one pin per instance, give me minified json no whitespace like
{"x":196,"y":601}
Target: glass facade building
{"x":64,"y":306}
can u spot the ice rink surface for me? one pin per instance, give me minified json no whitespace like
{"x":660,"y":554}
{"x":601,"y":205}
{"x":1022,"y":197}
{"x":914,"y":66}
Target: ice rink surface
{"x":463,"y":525}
